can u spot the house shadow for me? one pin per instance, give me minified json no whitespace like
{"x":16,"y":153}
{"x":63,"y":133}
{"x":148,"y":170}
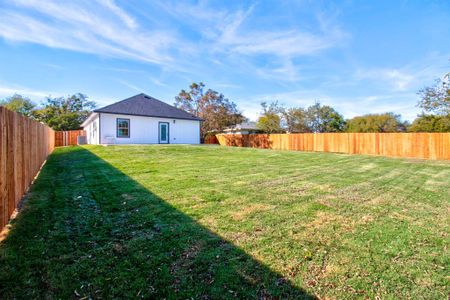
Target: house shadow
{"x":90,"y":231}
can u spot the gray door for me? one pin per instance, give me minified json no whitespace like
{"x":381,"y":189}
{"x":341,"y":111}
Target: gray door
{"x":163,"y":133}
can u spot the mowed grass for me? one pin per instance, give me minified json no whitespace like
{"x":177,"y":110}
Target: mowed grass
{"x":208,"y":222}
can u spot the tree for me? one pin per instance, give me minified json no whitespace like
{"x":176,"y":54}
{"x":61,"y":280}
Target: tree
{"x":216,"y":111}
{"x":430,"y":123}
{"x":65,"y":113}
{"x":296,"y":120}
{"x":19,"y":104}
{"x":387,"y":122}
{"x":324,"y":119}
{"x":270,"y":119}
{"x":436,"y":98}
{"x":435,"y":102}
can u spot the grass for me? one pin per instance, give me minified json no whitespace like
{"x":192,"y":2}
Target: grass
{"x":211,"y":222}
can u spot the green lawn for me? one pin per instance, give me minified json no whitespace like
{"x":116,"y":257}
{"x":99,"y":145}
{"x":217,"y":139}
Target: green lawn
{"x":212,"y":222}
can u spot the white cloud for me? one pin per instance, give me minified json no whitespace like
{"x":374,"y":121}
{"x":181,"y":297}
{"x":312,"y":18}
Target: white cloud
{"x":103,"y":28}
{"x":85,"y":27}
{"x":400,"y":103}
{"x":399,"y":80}
{"x":290,"y":42}
{"x":230,"y":35}
{"x":130,"y":86}
{"x":6,"y":91}
{"x":38,"y":96}
{"x":158,"y":82}
{"x":111,"y":5}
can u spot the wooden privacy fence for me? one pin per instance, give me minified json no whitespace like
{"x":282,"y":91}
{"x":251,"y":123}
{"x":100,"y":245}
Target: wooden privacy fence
{"x":67,"y":138}
{"x":24,"y":146}
{"x":410,"y":145}
{"x":211,"y":139}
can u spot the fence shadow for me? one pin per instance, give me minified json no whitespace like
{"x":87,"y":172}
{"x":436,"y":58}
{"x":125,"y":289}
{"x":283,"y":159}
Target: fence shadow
{"x":89,"y":230}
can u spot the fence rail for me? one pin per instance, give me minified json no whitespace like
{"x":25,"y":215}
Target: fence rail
{"x":24,"y":146}
{"x":434,"y":146}
{"x":67,"y":138}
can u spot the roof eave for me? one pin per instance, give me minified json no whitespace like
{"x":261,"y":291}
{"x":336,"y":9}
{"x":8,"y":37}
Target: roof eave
{"x":151,"y":116}
{"x":91,"y":116}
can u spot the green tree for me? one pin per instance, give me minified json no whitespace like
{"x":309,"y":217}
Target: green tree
{"x":430,"y":123}
{"x":296,"y":120}
{"x":270,"y":119}
{"x":436,"y":98}
{"x":324,"y":119}
{"x":216,"y":111}
{"x":19,"y":104}
{"x":435,"y":102}
{"x":386,"y":122}
{"x":65,"y":113}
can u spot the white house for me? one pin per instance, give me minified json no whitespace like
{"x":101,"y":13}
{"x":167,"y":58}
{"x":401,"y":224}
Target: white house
{"x":141,"y":119}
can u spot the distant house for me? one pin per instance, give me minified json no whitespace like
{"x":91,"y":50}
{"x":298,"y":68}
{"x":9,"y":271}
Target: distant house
{"x":243,"y":128}
{"x":141,"y":119}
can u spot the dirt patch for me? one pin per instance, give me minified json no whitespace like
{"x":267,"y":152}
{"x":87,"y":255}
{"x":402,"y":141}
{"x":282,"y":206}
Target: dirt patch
{"x":247,"y":210}
{"x":324,"y":219}
{"x":209,"y":222}
{"x":243,"y":237}
{"x":324,"y":228}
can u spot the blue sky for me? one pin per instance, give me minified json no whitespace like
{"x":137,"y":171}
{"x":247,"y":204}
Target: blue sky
{"x":358,"y":56}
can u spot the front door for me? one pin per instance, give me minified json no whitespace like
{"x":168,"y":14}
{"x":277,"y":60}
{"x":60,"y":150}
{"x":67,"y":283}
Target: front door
{"x":163,"y":132}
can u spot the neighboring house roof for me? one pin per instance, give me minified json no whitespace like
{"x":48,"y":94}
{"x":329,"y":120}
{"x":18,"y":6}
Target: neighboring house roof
{"x":144,"y":105}
{"x":242,"y":126}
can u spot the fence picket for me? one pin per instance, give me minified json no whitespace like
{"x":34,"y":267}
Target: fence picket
{"x":24,"y":146}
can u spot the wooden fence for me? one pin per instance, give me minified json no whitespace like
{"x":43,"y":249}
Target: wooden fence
{"x":411,"y":145}
{"x":24,"y":146}
{"x":211,"y":139}
{"x":67,"y":138}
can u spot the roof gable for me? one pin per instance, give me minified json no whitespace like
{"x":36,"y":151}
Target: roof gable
{"x":144,"y":105}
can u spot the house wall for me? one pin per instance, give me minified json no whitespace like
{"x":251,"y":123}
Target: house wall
{"x":92,"y":130}
{"x":144,"y":130}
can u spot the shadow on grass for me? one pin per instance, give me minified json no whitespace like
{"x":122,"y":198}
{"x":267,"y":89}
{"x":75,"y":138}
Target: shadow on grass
{"x":89,"y":230}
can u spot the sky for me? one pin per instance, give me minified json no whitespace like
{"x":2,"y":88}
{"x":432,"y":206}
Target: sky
{"x":358,"y":56}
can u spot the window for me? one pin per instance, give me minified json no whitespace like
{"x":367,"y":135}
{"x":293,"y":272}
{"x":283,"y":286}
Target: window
{"x":123,"y":128}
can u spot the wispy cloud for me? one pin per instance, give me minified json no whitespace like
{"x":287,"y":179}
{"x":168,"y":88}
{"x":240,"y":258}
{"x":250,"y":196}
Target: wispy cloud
{"x":400,"y":103}
{"x":158,"y":82}
{"x":39,"y":96}
{"x":228,"y":85}
{"x":397,"y":79}
{"x":120,"y":13}
{"x":85,"y":27}
{"x":230,"y":34}
{"x":130,"y":86}
{"x":281,"y":43}
{"x":53,"y":66}
{"x":103,"y":28}
{"x":6,"y":91}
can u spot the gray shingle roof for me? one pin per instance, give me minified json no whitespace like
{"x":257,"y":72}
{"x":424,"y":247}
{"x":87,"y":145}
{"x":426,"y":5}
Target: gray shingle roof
{"x":144,"y":105}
